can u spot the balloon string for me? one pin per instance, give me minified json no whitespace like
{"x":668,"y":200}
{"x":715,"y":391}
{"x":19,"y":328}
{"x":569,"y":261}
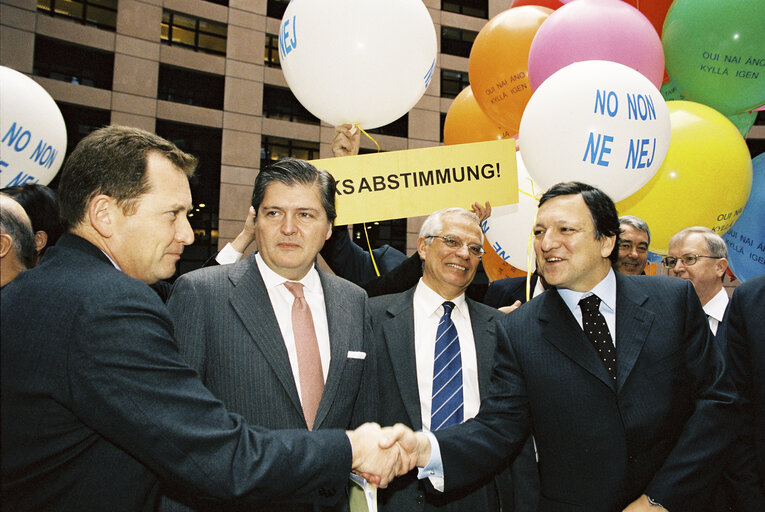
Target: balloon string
{"x":364,"y":225}
{"x":531,"y":239}
{"x":368,"y":136}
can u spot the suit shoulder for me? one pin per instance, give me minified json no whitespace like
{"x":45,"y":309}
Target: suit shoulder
{"x":346,"y":286}
{"x":379,"y":304}
{"x":491,"y":312}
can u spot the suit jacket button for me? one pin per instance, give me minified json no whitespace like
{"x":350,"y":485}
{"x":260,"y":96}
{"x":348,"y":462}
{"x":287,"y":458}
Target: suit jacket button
{"x":420,"y":499}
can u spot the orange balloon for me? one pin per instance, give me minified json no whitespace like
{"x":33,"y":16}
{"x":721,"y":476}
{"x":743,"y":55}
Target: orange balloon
{"x":495,"y":267}
{"x":465,"y":122}
{"x":499,"y":63}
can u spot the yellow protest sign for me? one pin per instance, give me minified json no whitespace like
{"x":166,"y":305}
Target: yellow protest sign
{"x":416,"y":182}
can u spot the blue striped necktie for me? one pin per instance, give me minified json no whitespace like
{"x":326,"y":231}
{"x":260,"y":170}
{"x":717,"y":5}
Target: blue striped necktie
{"x":447,"y":404}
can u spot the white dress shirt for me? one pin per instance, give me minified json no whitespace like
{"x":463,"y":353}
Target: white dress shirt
{"x":281,"y":301}
{"x":715,"y":309}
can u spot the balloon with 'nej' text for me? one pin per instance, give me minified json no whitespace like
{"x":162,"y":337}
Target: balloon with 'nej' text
{"x":597,"y":122}
{"x":466,"y":122}
{"x":746,"y":238}
{"x":361,"y":62}
{"x":498,"y":66}
{"x":715,"y":52}
{"x":609,"y":30}
{"x":704,"y":181}
{"x":32,"y":130}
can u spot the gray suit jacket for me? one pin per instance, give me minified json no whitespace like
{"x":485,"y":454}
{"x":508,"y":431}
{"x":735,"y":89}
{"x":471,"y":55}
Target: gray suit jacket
{"x":227,"y":330}
{"x":393,"y":326}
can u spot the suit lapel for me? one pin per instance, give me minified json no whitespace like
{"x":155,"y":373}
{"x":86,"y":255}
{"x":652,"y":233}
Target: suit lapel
{"x":398,"y":332}
{"x":633,"y":322}
{"x":560,"y":328}
{"x":250,"y":301}
{"x":340,"y":329}
{"x":484,"y":334}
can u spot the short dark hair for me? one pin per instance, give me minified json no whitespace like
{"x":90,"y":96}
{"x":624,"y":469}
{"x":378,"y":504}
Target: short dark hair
{"x":292,"y":171}
{"x":602,"y":209}
{"x":21,"y":233}
{"x":41,"y":204}
{"x":112,"y":161}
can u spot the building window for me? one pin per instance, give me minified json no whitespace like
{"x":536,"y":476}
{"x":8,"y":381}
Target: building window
{"x":276,"y":8}
{"x":477,"y":8}
{"x":398,"y":128}
{"x":271,"y":58}
{"x":219,"y":2}
{"x":276,"y":148}
{"x":97,"y":13}
{"x":452,"y":82}
{"x":192,"y":32}
{"x":391,"y":232}
{"x":74,"y":64}
{"x":204,"y":143}
{"x":456,"y":41}
{"x":443,"y":122}
{"x":190,"y":87}
{"x":280,"y":103}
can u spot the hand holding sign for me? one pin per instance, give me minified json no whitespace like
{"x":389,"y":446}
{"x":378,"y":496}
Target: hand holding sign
{"x":357,"y":61}
{"x":598,"y":122}
{"x":32,"y":129}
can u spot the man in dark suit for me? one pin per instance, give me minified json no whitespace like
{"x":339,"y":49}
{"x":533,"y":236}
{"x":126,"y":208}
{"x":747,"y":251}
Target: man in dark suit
{"x":406,"y":327}
{"x":745,"y":345}
{"x":98,"y":405}
{"x":641,"y":424}
{"x":234,"y":323}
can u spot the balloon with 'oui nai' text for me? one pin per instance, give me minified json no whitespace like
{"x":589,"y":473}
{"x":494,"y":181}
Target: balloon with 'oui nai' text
{"x":598,"y":122}
{"x":32,"y":131}
{"x":357,"y":61}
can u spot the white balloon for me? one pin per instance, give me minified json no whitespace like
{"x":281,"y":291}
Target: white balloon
{"x":32,"y":131}
{"x":357,"y":61}
{"x":597,"y":122}
{"x":508,"y":230}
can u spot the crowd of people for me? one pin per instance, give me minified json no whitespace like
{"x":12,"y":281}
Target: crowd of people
{"x":262,"y":382}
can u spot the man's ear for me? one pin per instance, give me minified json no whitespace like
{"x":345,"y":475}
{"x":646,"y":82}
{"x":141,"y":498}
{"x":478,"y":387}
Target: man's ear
{"x":41,"y":239}
{"x":607,"y":245}
{"x":102,"y":214}
{"x":721,"y":266}
{"x":329,"y":230}
{"x":6,"y":242}
{"x":422,"y":247}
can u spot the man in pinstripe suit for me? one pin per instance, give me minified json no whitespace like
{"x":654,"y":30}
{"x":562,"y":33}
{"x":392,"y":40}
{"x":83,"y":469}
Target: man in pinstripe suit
{"x":235,"y":323}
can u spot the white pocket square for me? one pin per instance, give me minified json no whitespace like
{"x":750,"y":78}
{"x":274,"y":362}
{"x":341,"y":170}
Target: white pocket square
{"x":355,"y":354}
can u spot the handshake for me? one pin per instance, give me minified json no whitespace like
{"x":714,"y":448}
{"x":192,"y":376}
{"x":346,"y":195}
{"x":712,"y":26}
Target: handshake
{"x":381,"y":454}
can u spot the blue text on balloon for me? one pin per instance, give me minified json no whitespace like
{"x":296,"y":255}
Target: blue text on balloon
{"x":287,"y":37}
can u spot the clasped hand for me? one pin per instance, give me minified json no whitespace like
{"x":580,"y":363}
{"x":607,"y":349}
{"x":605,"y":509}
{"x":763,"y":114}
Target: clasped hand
{"x":381,"y":454}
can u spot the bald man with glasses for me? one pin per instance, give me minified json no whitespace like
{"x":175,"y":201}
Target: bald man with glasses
{"x":700,"y":256}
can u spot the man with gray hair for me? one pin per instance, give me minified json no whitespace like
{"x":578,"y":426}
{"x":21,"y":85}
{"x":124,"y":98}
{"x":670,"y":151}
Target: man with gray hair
{"x":701,"y":256}
{"x":17,"y":241}
{"x":435,"y":354}
{"x":633,"y":241}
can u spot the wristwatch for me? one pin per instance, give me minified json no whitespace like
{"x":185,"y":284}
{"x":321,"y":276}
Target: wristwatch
{"x":653,"y":502}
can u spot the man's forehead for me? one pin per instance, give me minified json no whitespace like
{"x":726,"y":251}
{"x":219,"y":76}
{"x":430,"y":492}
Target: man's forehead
{"x":294,"y":195}
{"x":462,"y":223}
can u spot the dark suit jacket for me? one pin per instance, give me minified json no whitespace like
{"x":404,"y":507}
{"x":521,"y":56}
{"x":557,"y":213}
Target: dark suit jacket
{"x":227,"y":330}
{"x":504,"y":292}
{"x":743,"y":331}
{"x":660,"y":429}
{"x":97,"y":404}
{"x":351,"y":262}
{"x":393,"y":325}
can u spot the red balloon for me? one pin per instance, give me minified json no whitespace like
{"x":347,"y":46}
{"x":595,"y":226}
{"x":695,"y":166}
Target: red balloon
{"x":655,"y":11}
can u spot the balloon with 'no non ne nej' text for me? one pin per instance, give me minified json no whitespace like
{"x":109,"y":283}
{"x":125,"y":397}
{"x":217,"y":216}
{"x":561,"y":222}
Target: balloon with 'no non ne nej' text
{"x":597,"y":122}
{"x":361,"y":62}
{"x":32,"y":131}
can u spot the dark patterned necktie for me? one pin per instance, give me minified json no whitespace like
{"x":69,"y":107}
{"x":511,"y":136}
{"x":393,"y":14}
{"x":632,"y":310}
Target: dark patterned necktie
{"x":596,"y":330}
{"x":447,"y":404}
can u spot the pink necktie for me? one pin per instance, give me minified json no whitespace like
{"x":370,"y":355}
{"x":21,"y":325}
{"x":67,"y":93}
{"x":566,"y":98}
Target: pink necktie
{"x":309,"y":360}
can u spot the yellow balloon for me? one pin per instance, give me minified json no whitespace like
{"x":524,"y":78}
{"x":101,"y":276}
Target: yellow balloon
{"x":705,"y":179}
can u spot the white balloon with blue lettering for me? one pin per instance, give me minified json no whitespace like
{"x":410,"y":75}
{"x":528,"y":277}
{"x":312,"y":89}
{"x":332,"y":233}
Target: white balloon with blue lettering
{"x":509,"y":228}
{"x":366,"y":62}
{"x":32,"y":131}
{"x":597,"y":122}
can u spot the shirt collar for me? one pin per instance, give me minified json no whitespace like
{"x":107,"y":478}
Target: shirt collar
{"x":606,"y":290}
{"x":311,"y":281}
{"x":429,"y":301}
{"x":717,"y":305}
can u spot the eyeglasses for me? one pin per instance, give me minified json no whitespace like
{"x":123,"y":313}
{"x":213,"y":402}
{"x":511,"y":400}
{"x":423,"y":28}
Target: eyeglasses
{"x":453,"y":242}
{"x":687,"y":259}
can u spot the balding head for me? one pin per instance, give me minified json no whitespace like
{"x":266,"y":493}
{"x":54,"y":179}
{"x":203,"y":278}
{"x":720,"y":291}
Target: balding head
{"x":17,"y":240}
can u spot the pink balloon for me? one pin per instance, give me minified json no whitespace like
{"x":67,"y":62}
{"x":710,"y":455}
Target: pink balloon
{"x":609,"y":30}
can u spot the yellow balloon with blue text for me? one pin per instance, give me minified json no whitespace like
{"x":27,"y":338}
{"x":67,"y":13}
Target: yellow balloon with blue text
{"x":705,"y":179}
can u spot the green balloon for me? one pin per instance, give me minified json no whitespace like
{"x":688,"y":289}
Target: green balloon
{"x":714,"y":51}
